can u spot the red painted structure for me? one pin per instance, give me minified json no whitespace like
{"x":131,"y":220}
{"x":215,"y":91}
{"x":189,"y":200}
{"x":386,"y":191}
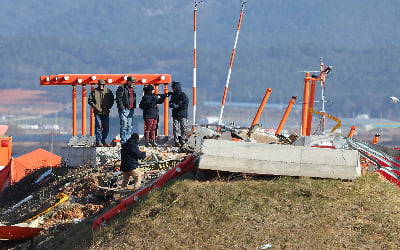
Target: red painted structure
{"x":110,"y":79}
{"x":18,"y":233}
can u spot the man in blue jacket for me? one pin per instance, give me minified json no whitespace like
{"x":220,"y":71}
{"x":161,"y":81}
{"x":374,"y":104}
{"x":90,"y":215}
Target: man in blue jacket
{"x":130,"y":154}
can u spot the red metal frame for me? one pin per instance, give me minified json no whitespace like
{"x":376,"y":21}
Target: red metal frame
{"x":110,"y":79}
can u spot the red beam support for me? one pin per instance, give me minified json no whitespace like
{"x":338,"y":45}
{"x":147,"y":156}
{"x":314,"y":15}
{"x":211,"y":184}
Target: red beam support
{"x":306,"y":97}
{"x":73,"y":110}
{"x":352,"y":131}
{"x":84,"y":109}
{"x":261,"y":107}
{"x":311,"y":105}
{"x":91,"y":115}
{"x":285,"y":115}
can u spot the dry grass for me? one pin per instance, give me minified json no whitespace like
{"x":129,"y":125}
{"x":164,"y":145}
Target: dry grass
{"x":288,"y":213}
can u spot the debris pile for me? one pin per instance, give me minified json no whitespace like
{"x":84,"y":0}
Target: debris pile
{"x":55,"y":198}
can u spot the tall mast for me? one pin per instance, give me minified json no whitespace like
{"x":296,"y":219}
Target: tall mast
{"x":194,"y":60}
{"x":231,"y":63}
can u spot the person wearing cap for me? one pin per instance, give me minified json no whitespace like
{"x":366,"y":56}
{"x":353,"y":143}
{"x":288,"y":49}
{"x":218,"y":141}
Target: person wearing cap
{"x":101,"y":99}
{"x":179,"y":103}
{"x":130,"y":154}
{"x":126,"y":103}
{"x":150,"y":114}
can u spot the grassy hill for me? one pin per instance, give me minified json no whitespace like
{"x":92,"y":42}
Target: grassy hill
{"x":246,"y":212}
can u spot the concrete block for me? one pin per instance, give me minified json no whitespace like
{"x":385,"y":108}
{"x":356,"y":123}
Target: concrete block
{"x":89,"y":156}
{"x":276,"y":159}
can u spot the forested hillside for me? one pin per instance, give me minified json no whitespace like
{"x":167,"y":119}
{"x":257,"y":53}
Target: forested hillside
{"x":277,"y":40}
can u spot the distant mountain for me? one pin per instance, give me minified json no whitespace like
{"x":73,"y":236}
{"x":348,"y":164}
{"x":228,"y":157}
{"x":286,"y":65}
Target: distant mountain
{"x":277,"y":40}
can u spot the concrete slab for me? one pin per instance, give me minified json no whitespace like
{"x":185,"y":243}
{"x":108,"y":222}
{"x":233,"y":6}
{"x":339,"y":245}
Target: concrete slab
{"x":275,"y":159}
{"x":89,"y":156}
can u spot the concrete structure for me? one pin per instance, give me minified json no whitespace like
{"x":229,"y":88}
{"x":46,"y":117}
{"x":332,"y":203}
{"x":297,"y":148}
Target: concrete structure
{"x":275,"y":159}
{"x":89,"y":156}
{"x":82,"y":152}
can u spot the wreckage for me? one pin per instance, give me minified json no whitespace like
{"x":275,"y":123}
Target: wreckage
{"x":50,"y":198}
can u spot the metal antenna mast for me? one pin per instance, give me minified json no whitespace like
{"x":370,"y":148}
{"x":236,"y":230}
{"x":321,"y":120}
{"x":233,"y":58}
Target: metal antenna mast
{"x":194,"y":59}
{"x":231,"y":63}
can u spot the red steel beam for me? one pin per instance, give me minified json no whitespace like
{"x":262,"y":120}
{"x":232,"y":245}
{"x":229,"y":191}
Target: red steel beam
{"x":110,"y":79}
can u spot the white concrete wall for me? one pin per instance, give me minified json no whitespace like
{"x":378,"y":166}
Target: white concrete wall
{"x":276,"y":159}
{"x":89,"y":156}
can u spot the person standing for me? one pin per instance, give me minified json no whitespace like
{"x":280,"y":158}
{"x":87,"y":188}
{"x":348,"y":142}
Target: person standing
{"x":130,"y":154}
{"x":126,"y":103}
{"x":101,"y":99}
{"x":150,"y":114}
{"x":179,"y":104}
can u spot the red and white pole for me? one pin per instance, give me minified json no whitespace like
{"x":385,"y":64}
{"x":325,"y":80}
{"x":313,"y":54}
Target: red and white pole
{"x":231,"y":63}
{"x":194,"y":60}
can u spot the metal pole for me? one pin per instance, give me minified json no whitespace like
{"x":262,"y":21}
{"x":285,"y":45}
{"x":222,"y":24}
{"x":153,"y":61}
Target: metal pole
{"x":194,"y":60}
{"x":231,"y":63}
{"x":285,"y":115}
{"x":311,"y":106}
{"x":322,"y":74}
{"x":73,"y":110}
{"x":91,"y":115}
{"x":306,"y":99}
{"x":261,"y":107}
{"x":83,"y":109}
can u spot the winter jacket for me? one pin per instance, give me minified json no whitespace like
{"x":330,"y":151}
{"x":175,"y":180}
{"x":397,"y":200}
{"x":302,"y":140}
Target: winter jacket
{"x":130,"y":154}
{"x":122,"y":98}
{"x":179,"y":102}
{"x":149,"y":105}
{"x":101,"y":100}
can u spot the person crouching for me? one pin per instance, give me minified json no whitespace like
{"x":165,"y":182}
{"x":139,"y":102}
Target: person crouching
{"x":130,"y":154}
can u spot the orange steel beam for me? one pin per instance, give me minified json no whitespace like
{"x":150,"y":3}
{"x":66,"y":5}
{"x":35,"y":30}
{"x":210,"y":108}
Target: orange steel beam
{"x":306,"y":97}
{"x":73,"y":110}
{"x":311,"y":105}
{"x":352,"y":131}
{"x":261,"y":107}
{"x":285,"y":115}
{"x":83,"y":109}
{"x":110,"y":79}
{"x":91,"y":115}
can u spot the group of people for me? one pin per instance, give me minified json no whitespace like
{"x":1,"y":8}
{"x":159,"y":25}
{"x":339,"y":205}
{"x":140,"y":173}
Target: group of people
{"x":101,"y":99}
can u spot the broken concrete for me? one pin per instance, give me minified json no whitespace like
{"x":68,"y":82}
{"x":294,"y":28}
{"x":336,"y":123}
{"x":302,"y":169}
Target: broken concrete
{"x":77,"y":155}
{"x":275,"y":159}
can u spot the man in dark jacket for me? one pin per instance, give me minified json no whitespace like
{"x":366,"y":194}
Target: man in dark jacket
{"x":101,"y":99}
{"x":179,"y":104}
{"x":126,"y":103}
{"x":150,"y":114}
{"x":130,"y":154}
